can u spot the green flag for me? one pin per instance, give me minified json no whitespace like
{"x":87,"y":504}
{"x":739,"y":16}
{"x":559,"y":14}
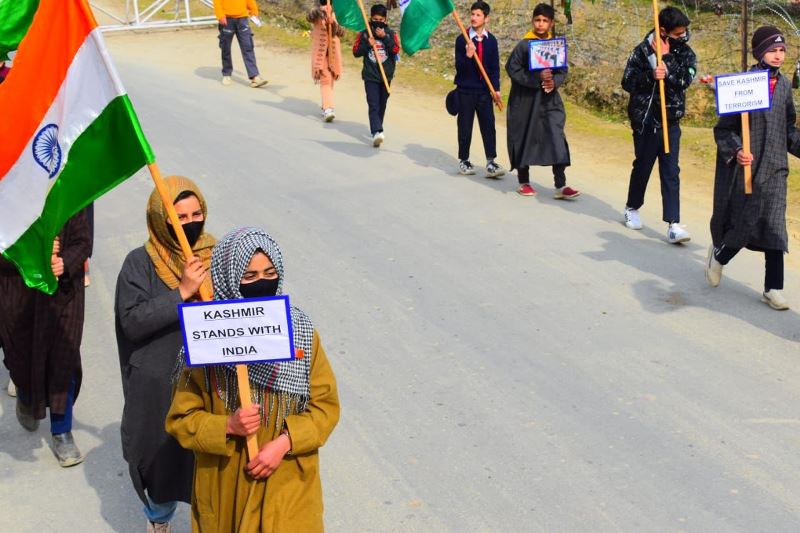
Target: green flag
{"x":15,"y":19}
{"x":348,"y":14}
{"x":420,"y":19}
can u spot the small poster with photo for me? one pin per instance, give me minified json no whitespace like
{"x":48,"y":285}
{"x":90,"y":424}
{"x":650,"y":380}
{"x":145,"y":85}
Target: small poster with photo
{"x":549,"y":53}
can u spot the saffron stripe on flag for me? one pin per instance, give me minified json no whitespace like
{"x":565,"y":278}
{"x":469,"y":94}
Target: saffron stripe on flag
{"x":61,"y":29}
{"x":86,"y":90}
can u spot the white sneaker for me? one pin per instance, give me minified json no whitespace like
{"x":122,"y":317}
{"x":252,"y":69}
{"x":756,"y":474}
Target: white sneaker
{"x":632,"y":218}
{"x":713,"y":268}
{"x":774,"y":298}
{"x":328,"y":115}
{"x":377,"y":139}
{"x":12,"y":389}
{"x":676,"y":234}
{"x":226,"y":80}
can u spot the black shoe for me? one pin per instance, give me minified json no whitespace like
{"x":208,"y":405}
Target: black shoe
{"x":66,"y":451}
{"x":25,"y":417}
{"x":493,"y":170}
{"x":465,"y":168}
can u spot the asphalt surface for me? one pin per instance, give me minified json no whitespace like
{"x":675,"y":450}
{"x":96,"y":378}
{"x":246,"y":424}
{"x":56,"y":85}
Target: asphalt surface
{"x":504,"y":363}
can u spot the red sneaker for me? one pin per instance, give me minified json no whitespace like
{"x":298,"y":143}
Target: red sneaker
{"x":526,"y":190}
{"x":566,"y":193}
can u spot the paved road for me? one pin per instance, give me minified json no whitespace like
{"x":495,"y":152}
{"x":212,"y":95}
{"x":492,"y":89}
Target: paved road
{"x":505,"y":364}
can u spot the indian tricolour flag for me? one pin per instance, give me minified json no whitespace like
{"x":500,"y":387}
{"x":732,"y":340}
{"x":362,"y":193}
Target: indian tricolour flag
{"x":420,"y":19}
{"x":68,"y":132}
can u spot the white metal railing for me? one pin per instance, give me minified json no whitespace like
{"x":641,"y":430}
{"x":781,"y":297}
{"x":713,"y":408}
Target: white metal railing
{"x":137,"y":17}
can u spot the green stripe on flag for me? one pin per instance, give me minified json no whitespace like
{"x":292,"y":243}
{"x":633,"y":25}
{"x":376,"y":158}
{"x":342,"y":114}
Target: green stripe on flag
{"x":108,"y":152}
{"x":348,"y":14}
{"x":15,"y":19}
{"x":420,"y":19}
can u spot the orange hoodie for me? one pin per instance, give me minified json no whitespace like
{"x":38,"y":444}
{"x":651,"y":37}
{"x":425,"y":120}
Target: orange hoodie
{"x":235,"y":8}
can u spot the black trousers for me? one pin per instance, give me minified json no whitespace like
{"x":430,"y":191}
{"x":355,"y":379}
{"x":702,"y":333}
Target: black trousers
{"x":559,"y":175}
{"x":773,"y":265}
{"x":376,"y":102}
{"x":649,"y":146}
{"x":471,"y":104}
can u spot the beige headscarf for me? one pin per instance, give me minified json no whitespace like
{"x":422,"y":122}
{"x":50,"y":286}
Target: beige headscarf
{"x":164,"y":251}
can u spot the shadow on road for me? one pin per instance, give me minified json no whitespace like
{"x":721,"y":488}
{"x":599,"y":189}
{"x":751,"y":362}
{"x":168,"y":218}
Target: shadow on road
{"x":107,"y":474}
{"x":361,"y":150}
{"x":591,"y":206}
{"x":16,"y":442}
{"x":676,"y":290}
{"x":448,"y":164}
{"x":238,"y":77}
{"x":307,"y":108}
{"x":297,"y":106}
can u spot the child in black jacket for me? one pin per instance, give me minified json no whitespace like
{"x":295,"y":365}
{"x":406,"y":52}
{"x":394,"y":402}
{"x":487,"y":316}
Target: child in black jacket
{"x":640,"y":79}
{"x":388,"y":46}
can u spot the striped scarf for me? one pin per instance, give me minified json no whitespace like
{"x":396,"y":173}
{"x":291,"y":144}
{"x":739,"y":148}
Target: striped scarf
{"x":281,"y":387}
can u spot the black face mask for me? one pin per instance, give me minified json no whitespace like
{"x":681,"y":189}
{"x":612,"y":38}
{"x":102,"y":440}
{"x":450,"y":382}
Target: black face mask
{"x":193,"y":230}
{"x":377,"y":24}
{"x":260,"y":288}
{"x":680,"y":41}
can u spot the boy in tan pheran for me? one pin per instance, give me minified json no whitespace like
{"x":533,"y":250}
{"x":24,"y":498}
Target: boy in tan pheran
{"x":536,"y":114}
{"x":326,"y":54}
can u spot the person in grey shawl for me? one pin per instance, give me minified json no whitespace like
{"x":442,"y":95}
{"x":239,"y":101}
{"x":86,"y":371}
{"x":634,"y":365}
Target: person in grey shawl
{"x":756,"y":221}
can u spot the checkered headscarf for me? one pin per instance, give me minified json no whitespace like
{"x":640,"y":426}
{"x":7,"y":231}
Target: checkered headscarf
{"x":286,"y":383}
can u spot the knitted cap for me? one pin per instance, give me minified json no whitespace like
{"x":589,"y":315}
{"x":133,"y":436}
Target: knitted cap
{"x":766,"y":39}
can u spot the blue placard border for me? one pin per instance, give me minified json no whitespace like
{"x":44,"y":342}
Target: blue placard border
{"x":716,"y":93}
{"x":284,"y":297}
{"x":566,"y":52}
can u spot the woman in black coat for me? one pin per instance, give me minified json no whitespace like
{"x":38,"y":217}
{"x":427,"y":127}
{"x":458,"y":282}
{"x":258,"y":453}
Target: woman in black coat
{"x":153,"y":280}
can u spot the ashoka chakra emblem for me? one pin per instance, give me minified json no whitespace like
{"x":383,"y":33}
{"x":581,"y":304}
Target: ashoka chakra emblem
{"x":46,"y":150}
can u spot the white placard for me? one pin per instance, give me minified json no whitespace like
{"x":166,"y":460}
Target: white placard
{"x":746,"y":91}
{"x":237,"y":331}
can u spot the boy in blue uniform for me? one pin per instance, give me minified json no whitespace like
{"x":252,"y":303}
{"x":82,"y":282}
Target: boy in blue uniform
{"x":473,"y":94}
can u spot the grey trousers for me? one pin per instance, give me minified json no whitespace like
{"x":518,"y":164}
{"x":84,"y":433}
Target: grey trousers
{"x":241,"y":29}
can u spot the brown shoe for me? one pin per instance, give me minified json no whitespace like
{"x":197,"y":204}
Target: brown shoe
{"x":25,"y":417}
{"x":66,"y":451}
{"x":257,"y":81}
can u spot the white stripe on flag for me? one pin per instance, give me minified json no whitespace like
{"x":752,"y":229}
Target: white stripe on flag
{"x":87,"y":89}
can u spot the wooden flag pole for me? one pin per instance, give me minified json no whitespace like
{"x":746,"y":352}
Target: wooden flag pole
{"x":374,"y":47}
{"x":661,"y":92}
{"x":205,"y":295}
{"x":497,"y":99}
{"x":748,"y":171}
